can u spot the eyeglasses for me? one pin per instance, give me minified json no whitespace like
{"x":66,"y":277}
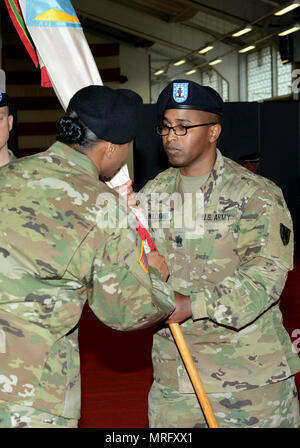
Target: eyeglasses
{"x":179,"y":130}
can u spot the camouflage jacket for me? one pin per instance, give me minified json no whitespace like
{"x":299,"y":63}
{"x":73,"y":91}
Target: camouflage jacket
{"x":64,"y":240}
{"x":234,"y":270}
{"x":11,"y":155}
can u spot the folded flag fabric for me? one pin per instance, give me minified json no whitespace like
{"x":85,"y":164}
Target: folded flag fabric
{"x":142,"y":225}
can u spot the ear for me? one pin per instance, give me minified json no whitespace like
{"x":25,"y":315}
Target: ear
{"x":10,"y":122}
{"x":109,"y":149}
{"x":215,"y":132}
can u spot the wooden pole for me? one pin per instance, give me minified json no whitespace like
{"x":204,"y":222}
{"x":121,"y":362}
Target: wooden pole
{"x":194,"y":376}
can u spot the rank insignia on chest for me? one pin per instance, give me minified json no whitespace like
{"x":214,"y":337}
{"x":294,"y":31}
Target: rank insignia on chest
{"x":178,"y":241}
{"x":285,"y":234}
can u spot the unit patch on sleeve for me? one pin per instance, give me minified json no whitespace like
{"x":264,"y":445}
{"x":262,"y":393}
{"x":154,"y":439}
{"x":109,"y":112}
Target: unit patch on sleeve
{"x":285,"y":234}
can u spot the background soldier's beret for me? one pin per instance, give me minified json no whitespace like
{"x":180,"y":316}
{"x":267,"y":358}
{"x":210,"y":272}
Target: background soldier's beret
{"x":183,"y":94}
{"x":111,"y":114}
{"x":4,"y":99}
{"x":253,"y":158}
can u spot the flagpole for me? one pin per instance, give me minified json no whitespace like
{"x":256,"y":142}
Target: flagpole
{"x":193,"y":374}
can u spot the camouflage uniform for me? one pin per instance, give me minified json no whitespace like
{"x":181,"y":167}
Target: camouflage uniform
{"x":271,"y":406}
{"x":234,"y":273}
{"x":11,"y":155}
{"x":60,"y":247}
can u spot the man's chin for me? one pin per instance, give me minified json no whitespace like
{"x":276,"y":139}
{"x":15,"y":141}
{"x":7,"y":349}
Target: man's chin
{"x":175,"y":162}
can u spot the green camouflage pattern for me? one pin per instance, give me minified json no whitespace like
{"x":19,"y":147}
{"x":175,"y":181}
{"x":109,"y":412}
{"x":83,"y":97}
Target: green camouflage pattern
{"x":234,"y":273}
{"x":62,"y":244}
{"x":272,"y":406}
{"x":11,"y":155}
{"x":15,"y":416}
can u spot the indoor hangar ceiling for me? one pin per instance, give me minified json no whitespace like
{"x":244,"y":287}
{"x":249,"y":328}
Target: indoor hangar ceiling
{"x":172,"y":30}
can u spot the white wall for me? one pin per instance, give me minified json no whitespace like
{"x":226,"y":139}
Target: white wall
{"x":134,"y":63}
{"x":229,"y":69}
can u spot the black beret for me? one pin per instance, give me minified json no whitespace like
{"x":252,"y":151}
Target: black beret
{"x":4,"y":99}
{"x":254,"y":157}
{"x":184,"y":94}
{"x":111,"y":114}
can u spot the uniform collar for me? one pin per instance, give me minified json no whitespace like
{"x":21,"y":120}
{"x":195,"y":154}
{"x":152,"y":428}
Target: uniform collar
{"x":210,"y":188}
{"x":75,"y":157}
{"x":11,"y":155}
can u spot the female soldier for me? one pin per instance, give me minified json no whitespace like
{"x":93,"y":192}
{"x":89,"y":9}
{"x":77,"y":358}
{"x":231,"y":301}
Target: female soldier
{"x":64,"y":240}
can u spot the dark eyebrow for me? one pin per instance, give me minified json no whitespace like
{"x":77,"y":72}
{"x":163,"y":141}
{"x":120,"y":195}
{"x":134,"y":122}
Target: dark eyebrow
{"x":180,"y":120}
{"x":183,"y":120}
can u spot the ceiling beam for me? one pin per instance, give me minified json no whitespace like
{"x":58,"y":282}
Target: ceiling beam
{"x":227,"y":39}
{"x":186,"y":14}
{"x":213,"y":11}
{"x":141,"y":7}
{"x":129,"y":30}
{"x":271,"y":2}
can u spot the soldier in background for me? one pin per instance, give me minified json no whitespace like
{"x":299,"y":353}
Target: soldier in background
{"x":251,"y":162}
{"x":65,"y":240}
{"x":6,"y":124}
{"x":228,"y":269}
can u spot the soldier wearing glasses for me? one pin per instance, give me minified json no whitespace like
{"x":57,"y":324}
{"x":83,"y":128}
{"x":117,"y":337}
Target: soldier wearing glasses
{"x":228,"y":276}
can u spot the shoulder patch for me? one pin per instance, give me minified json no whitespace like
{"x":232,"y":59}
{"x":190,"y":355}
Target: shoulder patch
{"x":285,"y":234}
{"x":279,"y":242}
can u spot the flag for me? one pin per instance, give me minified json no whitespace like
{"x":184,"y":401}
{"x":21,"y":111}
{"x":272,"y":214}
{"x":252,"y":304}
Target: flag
{"x":38,"y":108}
{"x":142,"y":225}
{"x":17,"y":19}
{"x":60,"y":45}
{"x":64,"y":55}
